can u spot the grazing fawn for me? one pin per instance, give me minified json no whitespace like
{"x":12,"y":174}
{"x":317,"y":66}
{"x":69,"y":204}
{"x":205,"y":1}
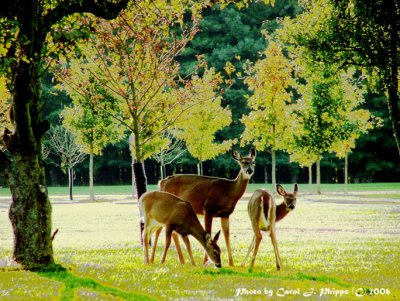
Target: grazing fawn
{"x":264,"y":213}
{"x":211,"y":196}
{"x":162,"y":209}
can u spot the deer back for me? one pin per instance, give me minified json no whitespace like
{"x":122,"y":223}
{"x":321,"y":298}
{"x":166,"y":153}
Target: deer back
{"x":218,"y":196}
{"x":167,"y":209}
{"x":262,"y":209}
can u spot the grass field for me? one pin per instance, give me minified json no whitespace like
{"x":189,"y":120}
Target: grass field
{"x":333,"y":247}
{"x":127,"y":189}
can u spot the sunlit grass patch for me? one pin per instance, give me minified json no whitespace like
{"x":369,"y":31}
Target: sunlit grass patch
{"x":323,"y":245}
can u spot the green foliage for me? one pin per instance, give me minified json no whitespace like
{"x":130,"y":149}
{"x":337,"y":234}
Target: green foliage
{"x":347,"y":33}
{"x":197,"y":127}
{"x":92,"y":129}
{"x":268,"y":124}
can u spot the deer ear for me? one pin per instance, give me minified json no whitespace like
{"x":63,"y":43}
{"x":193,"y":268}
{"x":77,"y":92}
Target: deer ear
{"x":216,"y":237}
{"x":296,"y":188}
{"x":280,"y":190}
{"x":253,"y":153}
{"x":236,"y":155}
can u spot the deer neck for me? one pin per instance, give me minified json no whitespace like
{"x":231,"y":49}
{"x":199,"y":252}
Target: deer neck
{"x":199,"y":233}
{"x":240,"y":184}
{"x":281,"y":211}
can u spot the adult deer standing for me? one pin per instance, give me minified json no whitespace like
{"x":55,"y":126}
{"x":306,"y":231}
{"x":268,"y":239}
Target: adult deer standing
{"x":164,"y":209}
{"x":213,"y":197}
{"x":264,"y":213}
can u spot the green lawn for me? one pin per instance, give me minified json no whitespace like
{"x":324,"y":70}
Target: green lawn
{"x":127,"y":189}
{"x":329,"y":246}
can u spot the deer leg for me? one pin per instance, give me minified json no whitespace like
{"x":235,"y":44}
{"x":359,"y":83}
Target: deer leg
{"x":258,"y":238}
{"x":208,"y":226}
{"x":155,"y":245}
{"x":178,"y":247}
{"x":189,"y":249}
{"x":275,"y":245}
{"x":146,"y":245}
{"x":225,"y":230}
{"x":168,"y":233}
{"x":251,"y":247}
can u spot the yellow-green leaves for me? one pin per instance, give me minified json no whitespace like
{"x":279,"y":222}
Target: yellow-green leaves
{"x":198,"y":126}
{"x":268,"y":124}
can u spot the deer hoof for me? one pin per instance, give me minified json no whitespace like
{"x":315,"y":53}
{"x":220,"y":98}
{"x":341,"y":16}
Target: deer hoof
{"x":278,"y":267}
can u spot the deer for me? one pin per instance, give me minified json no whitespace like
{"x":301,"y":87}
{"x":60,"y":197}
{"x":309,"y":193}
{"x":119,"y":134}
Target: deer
{"x":211,"y":196}
{"x":162,"y":209}
{"x":264,"y":214}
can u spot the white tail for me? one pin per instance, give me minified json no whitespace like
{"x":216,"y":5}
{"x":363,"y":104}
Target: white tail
{"x":162,"y":209}
{"x":264,"y":213}
{"x":213,"y":197}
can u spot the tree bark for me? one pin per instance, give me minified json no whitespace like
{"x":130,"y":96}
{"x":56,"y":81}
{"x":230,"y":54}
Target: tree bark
{"x":200,"y":168}
{"x":319,"y":176}
{"x":91,"y":176}
{"x":346,"y":171}
{"x":70,"y":182}
{"x":273,"y":171}
{"x":393,"y":80}
{"x":310,"y":177}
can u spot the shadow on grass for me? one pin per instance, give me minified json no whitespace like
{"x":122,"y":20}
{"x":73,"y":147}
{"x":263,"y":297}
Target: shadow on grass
{"x":298,"y":276}
{"x":71,"y":283}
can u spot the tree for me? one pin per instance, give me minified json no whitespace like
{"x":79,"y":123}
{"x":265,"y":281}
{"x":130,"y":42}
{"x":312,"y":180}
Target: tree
{"x":24,"y":28}
{"x":268,"y":124}
{"x":201,"y":122}
{"x":360,"y":33}
{"x":169,"y":152}
{"x":130,"y":64}
{"x":63,"y":144}
{"x":320,"y":111}
{"x":226,"y":35}
{"x":357,"y":120}
{"x":92,"y":129}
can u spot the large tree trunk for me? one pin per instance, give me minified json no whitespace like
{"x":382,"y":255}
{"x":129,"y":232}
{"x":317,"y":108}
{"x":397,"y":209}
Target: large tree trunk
{"x":22,"y":163}
{"x":30,"y":210}
{"x":393,"y":80}
{"x":310,"y":177}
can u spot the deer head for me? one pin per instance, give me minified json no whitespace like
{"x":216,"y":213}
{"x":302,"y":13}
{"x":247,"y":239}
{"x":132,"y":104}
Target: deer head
{"x":213,"y":250}
{"x":289,"y":199}
{"x":247,"y":164}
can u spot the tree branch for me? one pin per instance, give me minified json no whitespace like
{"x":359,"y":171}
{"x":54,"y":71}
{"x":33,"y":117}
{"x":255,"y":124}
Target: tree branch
{"x":100,"y":8}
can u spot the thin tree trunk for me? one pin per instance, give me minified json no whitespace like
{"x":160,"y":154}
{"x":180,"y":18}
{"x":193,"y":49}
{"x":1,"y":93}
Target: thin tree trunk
{"x":319,"y":176}
{"x":265,"y":174}
{"x":91,"y":178}
{"x":273,"y":171}
{"x":346,"y":169}
{"x":141,"y":188}
{"x":70,"y":182}
{"x":200,"y":168}
{"x":310,"y":177}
